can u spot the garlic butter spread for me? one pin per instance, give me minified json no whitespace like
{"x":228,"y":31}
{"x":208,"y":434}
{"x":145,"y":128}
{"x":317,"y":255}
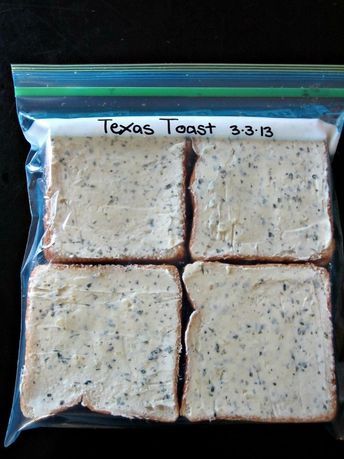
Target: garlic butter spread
{"x":259,"y":343}
{"x":115,"y":198}
{"x":107,"y":337}
{"x":260,"y":199}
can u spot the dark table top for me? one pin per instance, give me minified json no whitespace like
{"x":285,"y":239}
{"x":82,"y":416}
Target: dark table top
{"x":73,"y":32}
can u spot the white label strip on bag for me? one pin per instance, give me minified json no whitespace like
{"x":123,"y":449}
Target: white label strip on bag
{"x":233,"y":127}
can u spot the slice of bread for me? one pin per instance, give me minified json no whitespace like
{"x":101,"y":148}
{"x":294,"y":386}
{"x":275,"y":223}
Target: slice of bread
{"x":115,"y":199}
{"x":261,"y":200}
{"x":107,"y":337}
{"x":259,"y":343}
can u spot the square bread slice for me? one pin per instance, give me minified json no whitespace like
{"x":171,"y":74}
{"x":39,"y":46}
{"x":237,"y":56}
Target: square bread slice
{"x":107,"y":337}
{"x":259,"y":344}
{"x":261,"y":200}
{"x":115,"y":199}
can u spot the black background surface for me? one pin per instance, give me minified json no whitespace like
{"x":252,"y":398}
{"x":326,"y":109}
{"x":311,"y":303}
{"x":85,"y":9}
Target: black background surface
{"x":75,"y":32}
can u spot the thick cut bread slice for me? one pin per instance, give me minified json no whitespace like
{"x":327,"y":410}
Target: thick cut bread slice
{"x":106,"y":336}
{"x":261,"y":200}
{"x":115,"y":199}
{"x":259,"y":344}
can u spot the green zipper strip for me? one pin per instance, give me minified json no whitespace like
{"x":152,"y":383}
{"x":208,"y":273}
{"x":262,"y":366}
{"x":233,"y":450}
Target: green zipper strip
{"x":178,"y":92}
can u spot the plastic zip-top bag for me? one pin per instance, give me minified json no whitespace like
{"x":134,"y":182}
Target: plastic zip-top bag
{"x":144,"y":179}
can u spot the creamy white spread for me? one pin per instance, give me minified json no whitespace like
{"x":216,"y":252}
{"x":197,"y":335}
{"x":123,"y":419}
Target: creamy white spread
{"x":259,"y":343}
{"x":115,"y":198}
{"x":261,"y":199}
{"x":107,"y":337}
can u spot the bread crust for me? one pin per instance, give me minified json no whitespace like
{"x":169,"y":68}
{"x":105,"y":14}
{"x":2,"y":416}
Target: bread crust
{"x":83,"y":399}
{"x":173,"y":256}
{"x":191,"y":325}
{"x":322,"y":258}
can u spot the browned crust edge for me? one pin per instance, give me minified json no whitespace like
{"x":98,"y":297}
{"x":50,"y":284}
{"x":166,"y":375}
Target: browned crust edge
{"x":82,"y":398}
{"x":332,"y":409}
{"x":322,"y":258}
{"x":173,"y":255}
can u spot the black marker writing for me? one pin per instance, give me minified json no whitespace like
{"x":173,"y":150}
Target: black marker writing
{"x":191,"y":129}
{"x":120,"y":129}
